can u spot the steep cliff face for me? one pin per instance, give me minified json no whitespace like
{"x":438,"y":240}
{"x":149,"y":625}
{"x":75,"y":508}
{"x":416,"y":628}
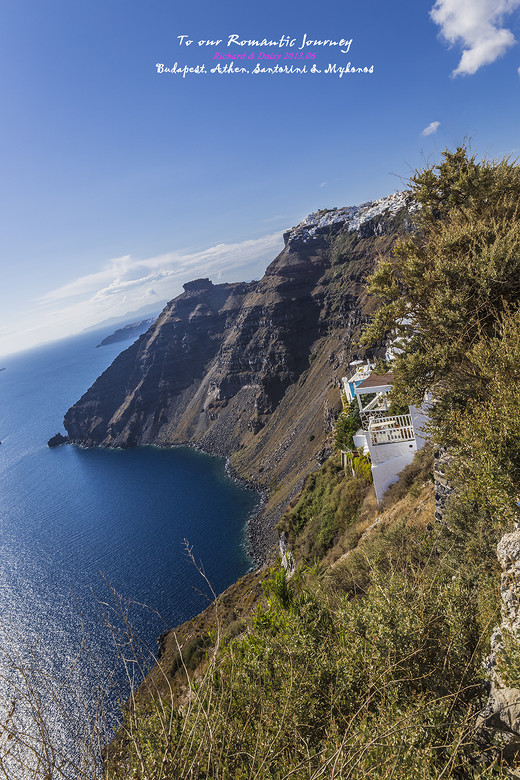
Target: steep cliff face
{"x":251,"y":370}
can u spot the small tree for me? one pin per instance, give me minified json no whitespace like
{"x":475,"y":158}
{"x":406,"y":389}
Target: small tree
{"x":446,"y":287}
{"x":347,"y":424}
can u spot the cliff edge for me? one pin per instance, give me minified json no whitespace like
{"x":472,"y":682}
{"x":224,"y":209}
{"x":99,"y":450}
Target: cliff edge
{"x":250,"y":371}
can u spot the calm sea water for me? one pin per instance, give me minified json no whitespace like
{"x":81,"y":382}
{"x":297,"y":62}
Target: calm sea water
{"x":72,"y":520}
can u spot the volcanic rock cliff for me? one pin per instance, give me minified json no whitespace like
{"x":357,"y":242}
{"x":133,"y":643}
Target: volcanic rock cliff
{"x":251,"y":370}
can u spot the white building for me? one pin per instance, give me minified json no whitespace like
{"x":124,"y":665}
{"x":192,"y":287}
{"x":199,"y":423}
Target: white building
{"x":362,"y":371}
{"x":390,"y":440}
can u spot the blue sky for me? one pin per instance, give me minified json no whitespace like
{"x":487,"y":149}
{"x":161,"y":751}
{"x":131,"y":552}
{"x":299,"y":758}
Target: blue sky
{"x":119,"y":183}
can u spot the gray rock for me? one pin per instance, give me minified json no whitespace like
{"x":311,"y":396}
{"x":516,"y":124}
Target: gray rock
{"x":443,"y":489}
{"x":500,"y":719}
{"x":57,"y":440}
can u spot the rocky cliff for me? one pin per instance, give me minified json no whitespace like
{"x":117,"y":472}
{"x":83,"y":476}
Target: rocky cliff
{"x":251,"y":370}
{"x":501,"y":716}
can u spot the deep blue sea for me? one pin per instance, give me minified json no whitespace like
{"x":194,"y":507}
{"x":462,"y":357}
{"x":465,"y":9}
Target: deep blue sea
{"x":72,"y":520}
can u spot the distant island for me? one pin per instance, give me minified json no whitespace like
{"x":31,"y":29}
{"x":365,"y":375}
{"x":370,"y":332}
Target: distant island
{"x":128,"y":332}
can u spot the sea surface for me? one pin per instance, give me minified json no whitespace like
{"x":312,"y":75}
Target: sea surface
{"x":87,"y":536}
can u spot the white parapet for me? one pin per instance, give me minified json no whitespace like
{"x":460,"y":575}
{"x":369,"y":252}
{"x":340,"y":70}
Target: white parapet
{"x":386,"y":430}
{"x":420,"y":422}
{"x":393,"y":442}
{"x":395,"y":449}
{"x":360,"y":441}
{"x":386,"y":473}
{"x":392,"y":445}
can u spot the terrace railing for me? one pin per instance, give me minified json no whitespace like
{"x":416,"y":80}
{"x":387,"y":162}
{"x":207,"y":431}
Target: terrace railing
{"x":388,"y":430}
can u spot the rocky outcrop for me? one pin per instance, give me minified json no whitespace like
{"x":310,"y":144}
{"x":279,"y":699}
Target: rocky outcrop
{"x":57,"y":440}
{"x":443,"y":490}
{"x":501,"y":717}
{"x":251,"y":370}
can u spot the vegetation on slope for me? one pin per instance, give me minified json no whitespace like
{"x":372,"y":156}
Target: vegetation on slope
{"x":367,"y":667}
{"x":369,"y":663}
{"x":326,"y":511}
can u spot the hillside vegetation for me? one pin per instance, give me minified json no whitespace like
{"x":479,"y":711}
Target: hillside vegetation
{"x":364,"y":656}
{"x":368,"y":661}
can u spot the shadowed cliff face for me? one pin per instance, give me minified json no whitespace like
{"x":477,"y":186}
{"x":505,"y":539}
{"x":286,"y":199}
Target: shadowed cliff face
{"x":251,"y":370}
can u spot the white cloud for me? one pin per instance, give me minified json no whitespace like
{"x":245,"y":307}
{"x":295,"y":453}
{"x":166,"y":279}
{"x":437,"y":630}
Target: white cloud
{"x":276,"y":218}
{"x":432,"y":128}
{"x":164,"y":274}
{"x":125,"y":284}
{"x":325,"y":183}
{"x":81,"y":286}
{"x":476,"y":25}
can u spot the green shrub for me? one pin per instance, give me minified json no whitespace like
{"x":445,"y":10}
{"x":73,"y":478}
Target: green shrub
{"x":362,"y":467}
{"x":191,"y":654}
{"x":347,"y":424}
{"x":329,"y":503}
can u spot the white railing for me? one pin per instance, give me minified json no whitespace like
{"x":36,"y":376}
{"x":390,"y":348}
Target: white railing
{"x":387,"y":430}
{"x":378,"y":407}
{"x":379,"y":402}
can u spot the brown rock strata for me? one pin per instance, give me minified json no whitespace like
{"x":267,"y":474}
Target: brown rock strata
{"x":249,"y":371}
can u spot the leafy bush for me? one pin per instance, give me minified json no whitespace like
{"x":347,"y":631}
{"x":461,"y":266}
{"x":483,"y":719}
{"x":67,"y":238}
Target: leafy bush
{"x":362,"y":466}
{"x":347,"y":425}
{"x":328,"y":504}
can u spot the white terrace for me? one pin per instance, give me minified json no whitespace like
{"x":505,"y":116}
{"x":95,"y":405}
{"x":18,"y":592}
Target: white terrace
{"x":361,"y":372}
{"x":386,"y":430}
{"x":380,"y":385}
{"x":391,"y":440}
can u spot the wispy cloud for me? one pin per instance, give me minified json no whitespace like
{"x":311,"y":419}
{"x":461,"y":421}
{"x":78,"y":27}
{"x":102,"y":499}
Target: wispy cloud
{"x":432,"y":128}
{"x":127,"y":276}
{"x":126,"y":283}
{"x":476,"y":25}
{"x":276,"y":218}
{"x":324,"y":183}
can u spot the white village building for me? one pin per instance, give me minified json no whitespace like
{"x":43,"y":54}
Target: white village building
{"x":391,"y":441}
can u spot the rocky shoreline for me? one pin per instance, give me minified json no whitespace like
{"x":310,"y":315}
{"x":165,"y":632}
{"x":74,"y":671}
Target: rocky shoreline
{"x":260,"y":545}
{"x":261,"y":548}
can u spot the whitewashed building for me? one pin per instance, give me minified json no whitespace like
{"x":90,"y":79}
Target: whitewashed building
{"x":362,"y":371}
{"x":391,"y":441}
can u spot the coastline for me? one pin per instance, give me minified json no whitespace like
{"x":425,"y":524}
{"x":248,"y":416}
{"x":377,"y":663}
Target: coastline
{"x":259,"y":547}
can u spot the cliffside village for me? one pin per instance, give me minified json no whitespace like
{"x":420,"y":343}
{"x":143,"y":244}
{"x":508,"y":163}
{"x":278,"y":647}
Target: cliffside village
{"x":388,"y":441}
